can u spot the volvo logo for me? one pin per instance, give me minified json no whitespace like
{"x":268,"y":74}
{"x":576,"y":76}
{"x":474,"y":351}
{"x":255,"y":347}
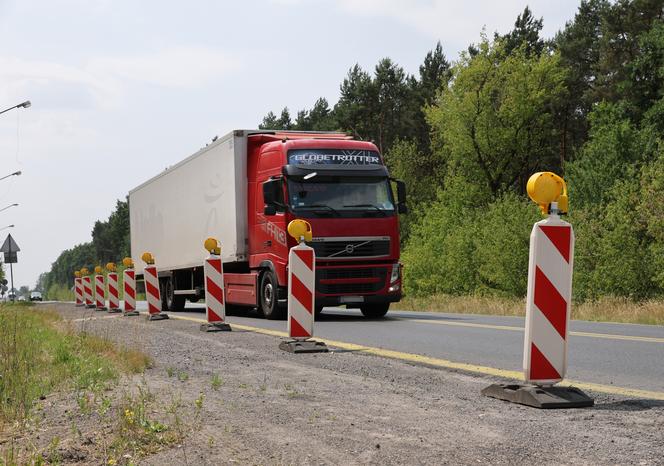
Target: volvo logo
{"x":350,"y":248}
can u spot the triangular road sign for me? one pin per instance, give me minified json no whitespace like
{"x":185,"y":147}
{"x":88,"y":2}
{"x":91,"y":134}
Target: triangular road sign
{"x":9,"y":245}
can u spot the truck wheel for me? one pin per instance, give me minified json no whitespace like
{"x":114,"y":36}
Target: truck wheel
{"x":169,"y":300}
{"x":375,"y":310}
{"x":175,"y":303}
{"x":269,"y":305}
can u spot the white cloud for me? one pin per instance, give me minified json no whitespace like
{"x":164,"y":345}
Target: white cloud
{"x":106,"y":79}
{"x":459,"y":22}
{"x":183,"y":67}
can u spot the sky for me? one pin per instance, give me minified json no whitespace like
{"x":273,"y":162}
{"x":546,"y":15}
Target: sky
{"x":122,"y":89}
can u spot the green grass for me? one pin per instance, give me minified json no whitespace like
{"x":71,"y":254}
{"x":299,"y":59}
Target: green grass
{"x":40,"y":354}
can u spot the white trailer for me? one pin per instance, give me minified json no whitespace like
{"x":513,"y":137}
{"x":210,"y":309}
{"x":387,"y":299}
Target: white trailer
{"x":203,"y":196}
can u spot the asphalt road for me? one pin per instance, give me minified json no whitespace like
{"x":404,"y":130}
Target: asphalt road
{"x":621,"y":355}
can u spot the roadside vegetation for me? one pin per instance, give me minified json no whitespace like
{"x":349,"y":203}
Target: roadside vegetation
{"x":41,"y":356}
{"x":622,"y":310}
{"x":466,"y":135}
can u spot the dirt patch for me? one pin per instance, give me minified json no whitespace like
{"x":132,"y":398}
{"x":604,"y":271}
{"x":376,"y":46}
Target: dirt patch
{"x":236,"y":398}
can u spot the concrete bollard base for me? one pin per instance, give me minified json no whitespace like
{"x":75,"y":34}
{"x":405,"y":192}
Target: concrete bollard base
{"x":216,"y":327}
{"x":303,"y":346}
{"x":540,"y":397}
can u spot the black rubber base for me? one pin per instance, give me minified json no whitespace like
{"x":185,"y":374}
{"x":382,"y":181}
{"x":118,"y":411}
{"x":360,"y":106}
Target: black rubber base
{"x":114,"y":311}
{"x":131,"y":313}
{"x":79,"y":305}
{"x":158,"y":316}
{"x":305,"y":346}
{"x":100,"y":308}
{"x":215,"y":327}
{"x":540,"y":397}
{"x":90,"y":306}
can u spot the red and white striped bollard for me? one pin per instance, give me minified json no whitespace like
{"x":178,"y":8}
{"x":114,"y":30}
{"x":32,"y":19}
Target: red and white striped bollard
{"x":87,"y":288}
{"x":78,"y":289}
{"x":100,"y":290}
{"x":215,"y":303}
{"x":152,"y":293}
{"x":129,"y":287}
{"x":113,"y":291}
{"x":548,"y":305}
{"x":301,"y":292}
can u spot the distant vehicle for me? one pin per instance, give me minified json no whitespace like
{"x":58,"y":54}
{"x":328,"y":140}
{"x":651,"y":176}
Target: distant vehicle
{"x":35,"y":296}
{"x":21,"y":298}
{"x":11,"y":296}
{"x":245,"y":188}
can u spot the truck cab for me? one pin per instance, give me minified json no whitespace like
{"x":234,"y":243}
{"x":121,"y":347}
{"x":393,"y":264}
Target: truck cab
{"x":343,"y":189}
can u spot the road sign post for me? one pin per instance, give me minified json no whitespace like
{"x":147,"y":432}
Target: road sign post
{"x":9,"y":249}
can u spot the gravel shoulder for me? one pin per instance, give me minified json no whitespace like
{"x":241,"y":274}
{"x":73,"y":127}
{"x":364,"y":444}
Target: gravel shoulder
{"x":272,"y":407}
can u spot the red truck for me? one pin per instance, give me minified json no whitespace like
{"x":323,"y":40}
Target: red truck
{"x":244,"y":189}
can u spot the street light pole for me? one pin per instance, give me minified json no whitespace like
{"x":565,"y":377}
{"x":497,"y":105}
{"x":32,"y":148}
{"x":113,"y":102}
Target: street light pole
{"x":10,"y":205}
{"x":18,"y":173}
{"x":25,"y":104}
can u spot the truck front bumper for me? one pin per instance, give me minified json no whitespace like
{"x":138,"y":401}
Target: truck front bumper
{"x":354,"y":285}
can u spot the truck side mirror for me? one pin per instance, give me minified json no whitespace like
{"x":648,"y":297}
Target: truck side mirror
{"x":272,"y":196}
{"x":401,"y":197}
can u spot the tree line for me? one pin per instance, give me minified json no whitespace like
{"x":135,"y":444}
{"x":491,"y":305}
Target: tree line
{"x":466,"y":134}
{"x":110,"y":243}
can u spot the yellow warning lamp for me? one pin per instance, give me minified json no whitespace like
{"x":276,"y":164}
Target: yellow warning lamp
{"x":85,"y":271}
{"x":128,"y":262}
{"x":300,"y":230}
{"x":212,"y":245}
{"x":547,"y":187}
{"x":98,"y":269}
{"x":111,"y":267}
{"x":77,"y":274}
{"x":147,"y":258}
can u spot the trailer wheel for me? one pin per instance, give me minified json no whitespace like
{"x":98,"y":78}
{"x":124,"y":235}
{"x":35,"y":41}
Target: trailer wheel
{"x":169,"y":300}
{"x":375,"y":310}
{"x":269,"y":304}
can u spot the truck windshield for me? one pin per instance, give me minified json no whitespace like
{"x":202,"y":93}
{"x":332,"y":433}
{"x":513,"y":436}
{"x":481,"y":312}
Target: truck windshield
{"x":338,"y":196}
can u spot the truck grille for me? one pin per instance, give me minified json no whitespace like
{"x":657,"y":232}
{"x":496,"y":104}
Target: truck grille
{"x":351,"y":248}
{"x":376,"y":275}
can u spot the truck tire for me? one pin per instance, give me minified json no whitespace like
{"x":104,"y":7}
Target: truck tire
{"x":268,"y":303}
{"x":375,"y":310}
{"x":169,"y":300}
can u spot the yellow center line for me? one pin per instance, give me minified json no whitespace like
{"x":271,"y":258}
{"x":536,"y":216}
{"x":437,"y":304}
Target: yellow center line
{"x":444,"y":363}
{"x":607,"y":336}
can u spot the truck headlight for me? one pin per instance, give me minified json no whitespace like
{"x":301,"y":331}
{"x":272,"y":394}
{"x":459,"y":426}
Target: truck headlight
{"x":395,"y":272}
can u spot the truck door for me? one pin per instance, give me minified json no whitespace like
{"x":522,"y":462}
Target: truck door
{"x":270,"y":230}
